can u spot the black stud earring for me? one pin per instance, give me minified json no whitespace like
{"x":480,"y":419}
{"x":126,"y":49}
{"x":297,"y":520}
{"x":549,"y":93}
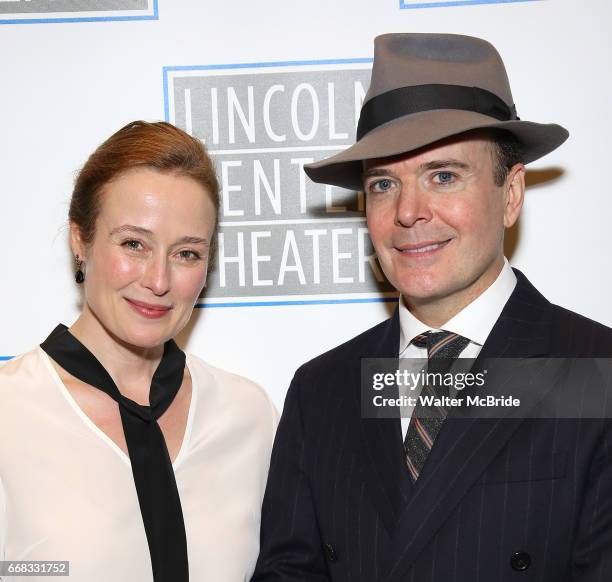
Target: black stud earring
{"x":79,"y":276}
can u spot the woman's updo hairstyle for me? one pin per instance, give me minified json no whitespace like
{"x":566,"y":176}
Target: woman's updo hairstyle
{"x":160,"y":146}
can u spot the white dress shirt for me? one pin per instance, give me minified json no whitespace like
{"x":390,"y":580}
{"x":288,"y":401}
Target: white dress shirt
{"x":67,"y":490}
{"x":474,"y":322}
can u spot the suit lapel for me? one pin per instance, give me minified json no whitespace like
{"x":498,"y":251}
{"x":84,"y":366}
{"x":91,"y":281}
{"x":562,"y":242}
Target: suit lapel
{"x":524,"y":327}
{"x":465,"y":446}
{"x":379,"y":441}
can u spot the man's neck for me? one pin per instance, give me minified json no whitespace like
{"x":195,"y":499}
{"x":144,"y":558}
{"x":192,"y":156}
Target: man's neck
{"x":435,"y":312}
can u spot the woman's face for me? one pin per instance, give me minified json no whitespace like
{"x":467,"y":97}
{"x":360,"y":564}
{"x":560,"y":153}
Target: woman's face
{"x":147,"y":263}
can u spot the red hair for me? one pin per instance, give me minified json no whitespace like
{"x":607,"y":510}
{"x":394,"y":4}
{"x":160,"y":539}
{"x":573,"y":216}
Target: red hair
{"x":139,"y":144}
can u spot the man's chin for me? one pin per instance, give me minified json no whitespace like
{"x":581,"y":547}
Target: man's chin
{"x":419,"y":287}
{"x":421,"y":297}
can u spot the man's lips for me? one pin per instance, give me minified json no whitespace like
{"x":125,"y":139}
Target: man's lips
{"x":422,"y":248}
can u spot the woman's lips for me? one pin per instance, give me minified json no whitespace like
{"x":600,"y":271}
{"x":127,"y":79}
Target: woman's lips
{"x":148,"y":310}
{"x":424,"y":249}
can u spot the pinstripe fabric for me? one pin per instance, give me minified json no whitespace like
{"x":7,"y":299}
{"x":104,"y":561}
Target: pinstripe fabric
{"x":424,"y":428}
{"x":490,"y":488}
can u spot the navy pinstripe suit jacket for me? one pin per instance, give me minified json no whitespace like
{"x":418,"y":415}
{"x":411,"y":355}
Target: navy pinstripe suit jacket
{"x":339,"y":504}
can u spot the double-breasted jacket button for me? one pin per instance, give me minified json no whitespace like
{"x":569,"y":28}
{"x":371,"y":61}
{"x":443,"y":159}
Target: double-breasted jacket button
{"x":330,"y":553}
{"x":520,"y":561}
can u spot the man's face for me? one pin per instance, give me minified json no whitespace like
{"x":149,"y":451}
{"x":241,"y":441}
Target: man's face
{"x":437,"y":219}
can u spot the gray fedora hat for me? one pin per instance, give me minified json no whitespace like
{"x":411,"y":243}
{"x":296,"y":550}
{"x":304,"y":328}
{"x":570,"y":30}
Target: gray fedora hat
{"x":427,"y":87}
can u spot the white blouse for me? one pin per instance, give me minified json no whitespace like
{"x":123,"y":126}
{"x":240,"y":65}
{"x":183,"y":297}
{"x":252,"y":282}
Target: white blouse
{"x":67,"y":491}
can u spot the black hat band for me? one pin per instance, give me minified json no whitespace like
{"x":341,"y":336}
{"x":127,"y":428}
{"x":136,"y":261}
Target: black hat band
{"x":407,"y":100}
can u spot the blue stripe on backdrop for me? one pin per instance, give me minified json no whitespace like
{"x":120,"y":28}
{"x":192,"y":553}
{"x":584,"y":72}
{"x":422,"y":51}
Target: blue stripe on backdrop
{"x":51,"y":20}
{"x":437,"y":4}
{"x":5,"y":358}
{"x":168,"y":69}
{"x":298,"y":302}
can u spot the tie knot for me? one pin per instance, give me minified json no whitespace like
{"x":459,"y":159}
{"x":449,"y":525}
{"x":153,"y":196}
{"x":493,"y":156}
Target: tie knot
{"x":140,"y":410}
{"x":441,"y":344}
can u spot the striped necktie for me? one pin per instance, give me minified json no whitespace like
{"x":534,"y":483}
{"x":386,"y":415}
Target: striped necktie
{"x":442,"y":348}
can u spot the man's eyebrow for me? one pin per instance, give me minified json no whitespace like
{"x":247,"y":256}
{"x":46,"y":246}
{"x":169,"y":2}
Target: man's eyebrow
{"x":432,"y":165}
{"x":437,"y":164}
{"x":376,"y":172}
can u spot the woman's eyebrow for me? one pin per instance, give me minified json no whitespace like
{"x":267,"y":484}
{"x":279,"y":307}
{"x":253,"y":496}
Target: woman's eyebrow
{"x":194,"y":240}
{"x":131,"y":228}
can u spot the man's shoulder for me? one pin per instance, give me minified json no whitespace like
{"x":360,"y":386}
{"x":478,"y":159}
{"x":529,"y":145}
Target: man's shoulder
{"x":528,"y":315}
{"x":578,"y":336}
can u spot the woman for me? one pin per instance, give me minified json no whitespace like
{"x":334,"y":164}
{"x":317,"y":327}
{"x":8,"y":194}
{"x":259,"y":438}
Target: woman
{"x":118,"y":453}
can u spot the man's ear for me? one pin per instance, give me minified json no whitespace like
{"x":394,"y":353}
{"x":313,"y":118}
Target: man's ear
{"x":514,"y":194}
{"x":76,"y":242}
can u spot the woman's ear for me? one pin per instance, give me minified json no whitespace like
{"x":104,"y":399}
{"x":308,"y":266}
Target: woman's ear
{"x":76,"y":242}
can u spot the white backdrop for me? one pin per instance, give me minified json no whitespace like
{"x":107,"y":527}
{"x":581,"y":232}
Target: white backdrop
{"x":68,"y":84}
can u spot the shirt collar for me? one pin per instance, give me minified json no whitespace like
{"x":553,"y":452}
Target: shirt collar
{"x":475,"y":321}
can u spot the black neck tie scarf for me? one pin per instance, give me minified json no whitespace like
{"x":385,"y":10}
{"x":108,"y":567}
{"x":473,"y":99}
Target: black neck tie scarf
{"x":158,"y":495}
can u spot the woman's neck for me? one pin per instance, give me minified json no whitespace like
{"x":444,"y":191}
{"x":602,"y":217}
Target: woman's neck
{"x":130,"y":367}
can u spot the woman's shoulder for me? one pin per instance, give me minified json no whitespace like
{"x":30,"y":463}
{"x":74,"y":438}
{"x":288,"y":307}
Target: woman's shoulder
{"x":24,"y":386}
{"x":24,"y":368}
{"x":229,"y":389}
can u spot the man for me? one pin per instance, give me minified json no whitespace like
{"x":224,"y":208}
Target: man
{"x":440,"y":154}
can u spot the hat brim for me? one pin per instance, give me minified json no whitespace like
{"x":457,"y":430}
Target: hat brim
{"x":417,"y":130}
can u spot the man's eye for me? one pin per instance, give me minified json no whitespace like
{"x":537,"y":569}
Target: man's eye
{"x":381,"y":185}
{"x":443,"y":177}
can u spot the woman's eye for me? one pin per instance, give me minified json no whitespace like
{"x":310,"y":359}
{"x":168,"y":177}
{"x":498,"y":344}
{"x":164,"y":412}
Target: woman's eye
{"x":133,"y":245}
{"x":383,"y":185}
{"x":188,"y":255}
{"x":444,"y":177}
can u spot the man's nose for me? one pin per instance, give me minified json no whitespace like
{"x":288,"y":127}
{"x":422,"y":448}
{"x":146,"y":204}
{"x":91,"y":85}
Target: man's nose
{"x":156,"y":276}
{"x":413,"y":204}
